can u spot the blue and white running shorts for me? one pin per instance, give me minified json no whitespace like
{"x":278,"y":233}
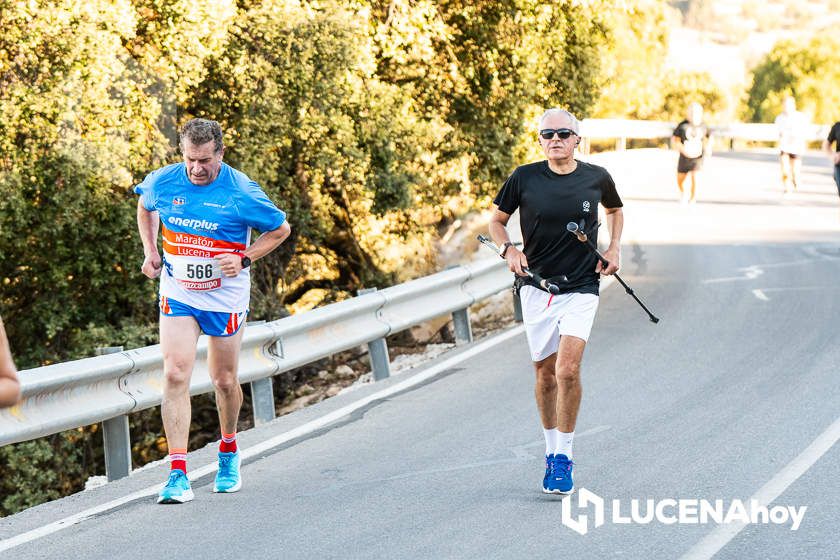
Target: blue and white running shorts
{"x":212,"y":323}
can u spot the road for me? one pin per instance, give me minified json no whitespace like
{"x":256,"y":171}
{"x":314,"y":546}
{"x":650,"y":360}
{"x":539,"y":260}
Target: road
{"x":722,"y":397}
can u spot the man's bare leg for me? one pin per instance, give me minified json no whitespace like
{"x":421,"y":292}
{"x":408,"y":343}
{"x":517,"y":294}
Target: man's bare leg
{"x":223,"y":361}
{"x":178,"y":338}
{"x":545,"y":391}
{"x":680,"y":182}
{"x":795,"y":172}
{"x":569,"y":388}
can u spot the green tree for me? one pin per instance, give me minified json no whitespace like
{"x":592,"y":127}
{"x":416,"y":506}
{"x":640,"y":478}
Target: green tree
{"x":371,"y":122}
{"x":680,"y":90}
{"x":633,"y":62}
{"x":808,"y":72}
{"x":75,"y":127}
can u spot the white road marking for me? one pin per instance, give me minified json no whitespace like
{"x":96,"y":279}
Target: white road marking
{"x":801,"y":288}
{"x":760,"y":295}
{"x":252,"y":451}
{"x":755,"y":270}
{"x":722,"y":534}
{"x":750,"y":273}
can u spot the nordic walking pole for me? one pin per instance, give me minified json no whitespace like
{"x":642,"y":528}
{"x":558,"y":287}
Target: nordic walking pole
{"x":545,"y":284}
{"x":574,"y":229}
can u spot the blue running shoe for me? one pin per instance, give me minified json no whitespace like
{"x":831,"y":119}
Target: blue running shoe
{"x":560,"y":481}
{"x":549,"y":463}
{"x":177,"y":489}
{"x":227,"y":478}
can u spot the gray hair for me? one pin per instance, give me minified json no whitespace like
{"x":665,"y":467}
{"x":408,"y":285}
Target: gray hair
{"x":574,"y":125}
{"x":201,"y":131}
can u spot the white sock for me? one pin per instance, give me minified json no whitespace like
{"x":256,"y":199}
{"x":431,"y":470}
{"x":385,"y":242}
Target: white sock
{"x":552,"y":440}
{"x":564,"y":443}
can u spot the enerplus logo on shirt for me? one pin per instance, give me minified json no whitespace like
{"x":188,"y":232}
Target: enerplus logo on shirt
{"x":193,"y":223}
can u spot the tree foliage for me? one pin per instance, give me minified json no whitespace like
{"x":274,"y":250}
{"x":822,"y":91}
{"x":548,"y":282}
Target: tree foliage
{"x":371,"y":122}
{"x":680,"y":90}
{"x":808,"y":72}
{"x":634,"y":74}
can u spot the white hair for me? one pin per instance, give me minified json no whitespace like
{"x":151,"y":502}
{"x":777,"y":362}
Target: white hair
{"x":555,"y":111}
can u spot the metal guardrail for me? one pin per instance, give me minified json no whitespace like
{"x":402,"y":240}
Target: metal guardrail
{"x":624,"y":129}
{"x":766,"y":132}
{"x":110,"y":387}
{"x":107,"y":388}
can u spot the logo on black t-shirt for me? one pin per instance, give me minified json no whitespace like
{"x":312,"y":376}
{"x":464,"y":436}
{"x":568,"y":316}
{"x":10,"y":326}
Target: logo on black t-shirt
{"x":586,"y":206}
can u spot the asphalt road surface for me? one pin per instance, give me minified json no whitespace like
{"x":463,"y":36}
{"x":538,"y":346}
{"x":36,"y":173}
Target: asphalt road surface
{"x":734,"y":395}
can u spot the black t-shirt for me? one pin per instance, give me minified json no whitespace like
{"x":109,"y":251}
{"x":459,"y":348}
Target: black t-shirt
{"x":692,"y":137}
{"x":547,"y":202}
{"x":834,"y":136}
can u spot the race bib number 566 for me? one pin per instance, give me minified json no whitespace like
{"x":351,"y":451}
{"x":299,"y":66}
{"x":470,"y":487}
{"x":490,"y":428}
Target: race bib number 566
{"x":200,"y":275}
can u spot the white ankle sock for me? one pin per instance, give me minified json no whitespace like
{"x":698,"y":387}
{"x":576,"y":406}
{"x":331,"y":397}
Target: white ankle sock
{"x":564,"y":443}
{"x":552,"y":440}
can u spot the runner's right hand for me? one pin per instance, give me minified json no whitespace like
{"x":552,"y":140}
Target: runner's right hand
{"x":151,"y":266}
{"x":516,"y":261}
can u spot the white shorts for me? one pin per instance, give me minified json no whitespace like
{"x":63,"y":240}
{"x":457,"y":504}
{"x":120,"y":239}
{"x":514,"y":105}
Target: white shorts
{"x":548,"y":317}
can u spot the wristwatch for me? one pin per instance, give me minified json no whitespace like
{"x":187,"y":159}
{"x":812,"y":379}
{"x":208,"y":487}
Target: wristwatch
{"x":505,"y":248}
{"x":246,"y":261}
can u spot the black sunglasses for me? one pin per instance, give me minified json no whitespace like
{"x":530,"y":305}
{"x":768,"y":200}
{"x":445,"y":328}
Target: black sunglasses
{"x":563,"y":133}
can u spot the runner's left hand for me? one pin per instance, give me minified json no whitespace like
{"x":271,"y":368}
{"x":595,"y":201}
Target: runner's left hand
{"x":230,"y":263}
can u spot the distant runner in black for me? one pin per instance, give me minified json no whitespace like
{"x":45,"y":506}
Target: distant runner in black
{"x":834,"y":138}
{"x":549,"y":194}
{"x":691,"y":139}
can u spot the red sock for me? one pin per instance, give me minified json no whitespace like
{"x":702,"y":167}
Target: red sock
{"x":228,"y":443}
{"x":178,"y":459}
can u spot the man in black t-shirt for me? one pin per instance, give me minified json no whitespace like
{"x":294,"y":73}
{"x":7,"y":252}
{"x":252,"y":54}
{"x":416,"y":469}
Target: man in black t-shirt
{"x":690,"y":138}
{"x":549,"y":194}
{"x":834,"y":137}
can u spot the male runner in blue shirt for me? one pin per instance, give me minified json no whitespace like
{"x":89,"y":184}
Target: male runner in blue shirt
{"x":206,"y":210}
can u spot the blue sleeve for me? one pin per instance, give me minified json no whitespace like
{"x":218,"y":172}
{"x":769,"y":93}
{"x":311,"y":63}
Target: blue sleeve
{"x":146,"y":190}
{"x":259,"y":212}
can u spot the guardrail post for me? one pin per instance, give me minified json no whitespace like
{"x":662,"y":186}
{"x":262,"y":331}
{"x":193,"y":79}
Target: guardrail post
{"x":620,"y":144}
{"x":583,"y":148}
{"x":262,"y":394}
{"x":380,"y":362}
{"x":517,"y":308}
{"x":115,"y":436}
{"x":262,"y":399}
{"x":463,"y":329}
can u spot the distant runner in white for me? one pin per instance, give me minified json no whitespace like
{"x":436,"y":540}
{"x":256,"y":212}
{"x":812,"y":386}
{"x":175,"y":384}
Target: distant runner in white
{"x":793,"y":131}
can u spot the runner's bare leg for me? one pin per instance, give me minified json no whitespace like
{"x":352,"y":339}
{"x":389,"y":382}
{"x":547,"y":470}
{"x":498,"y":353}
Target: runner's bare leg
{"x":223,"y":361}
{"x":569,"y":389}
{"x":178,"y":338}
{"x":545,"y":391}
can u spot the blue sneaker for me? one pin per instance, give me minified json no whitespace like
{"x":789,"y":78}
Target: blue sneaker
{"x":227,"y":478}
{"x":560,"y":481}
{"x":177,"y":489}
{"x":549,"y":459}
